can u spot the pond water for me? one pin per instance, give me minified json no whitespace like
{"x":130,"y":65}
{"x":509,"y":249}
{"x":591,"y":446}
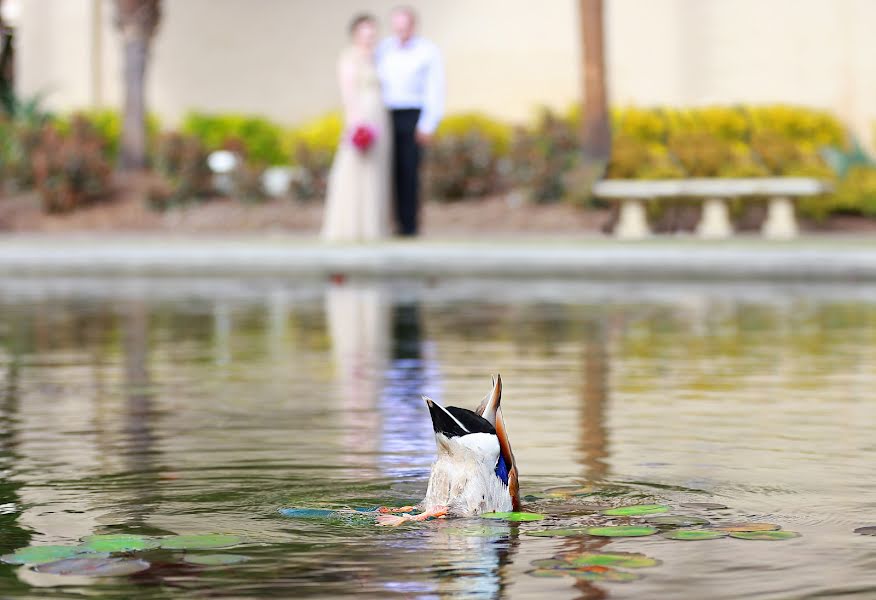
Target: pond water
{"x":178,"y":406}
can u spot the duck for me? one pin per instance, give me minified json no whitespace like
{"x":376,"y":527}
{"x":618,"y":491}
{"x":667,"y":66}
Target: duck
{"x":475,"y":471}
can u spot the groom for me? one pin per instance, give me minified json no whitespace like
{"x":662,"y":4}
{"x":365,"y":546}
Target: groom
{"x":412,"y":75}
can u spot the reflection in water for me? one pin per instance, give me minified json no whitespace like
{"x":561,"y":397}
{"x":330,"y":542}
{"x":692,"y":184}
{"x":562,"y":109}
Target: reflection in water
{"x":412,"y":374}
{"x":758,"y":399}
{"x":139,"y":411}
{"x":12,"y":536}
{"x":356,"y":313}
{"x":593,"y":444}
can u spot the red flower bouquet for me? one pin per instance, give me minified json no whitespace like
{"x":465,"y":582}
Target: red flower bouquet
{"x":363,"y":137}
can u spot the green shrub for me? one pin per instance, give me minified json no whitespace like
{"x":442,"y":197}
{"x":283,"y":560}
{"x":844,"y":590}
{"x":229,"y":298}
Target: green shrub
{"x":260,"y":139}
{"x":543,"y":156}
{"x":496,"y":133}
{"x":311,"y":147}
{"x":70,"y":170}
{"x":181,"y":162}
{"x":107,"y":125}
{"x":463,"y":165}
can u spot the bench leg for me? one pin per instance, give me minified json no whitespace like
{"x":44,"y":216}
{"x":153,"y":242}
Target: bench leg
{"x":715,"y":222}
{"x":632,"y":222}
{"x":781,"y":220}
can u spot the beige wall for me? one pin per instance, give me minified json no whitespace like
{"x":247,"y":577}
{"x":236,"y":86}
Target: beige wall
{"x":503,"y":56}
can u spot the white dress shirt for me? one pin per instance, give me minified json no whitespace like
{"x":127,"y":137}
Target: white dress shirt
{"x":412,"y":76}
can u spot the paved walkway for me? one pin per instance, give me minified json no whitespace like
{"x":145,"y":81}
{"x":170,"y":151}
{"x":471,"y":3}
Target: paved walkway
{"x":814,"y":258}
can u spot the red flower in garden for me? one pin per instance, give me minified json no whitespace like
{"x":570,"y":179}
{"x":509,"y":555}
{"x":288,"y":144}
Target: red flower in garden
{"x":363,"y":137}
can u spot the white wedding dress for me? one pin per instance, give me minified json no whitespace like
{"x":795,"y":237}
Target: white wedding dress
{"x":358,"y":195}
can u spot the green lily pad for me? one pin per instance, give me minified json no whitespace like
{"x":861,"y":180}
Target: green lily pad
{"x":546,"y":573}
{"x":485,"y":531}
{"x":626,"y":560}
{"x":198,"y":542}
{"x":94,"y":567}
{"x":677,"y":520}
{"x":621,"y":531}
{"x":569,"y":532}
{"x":764,"y":535}
{"x":587,"y":573}
{"x":117,"y":543}
{"x":35,"y":555}
{"x":564,"y":491}
{"x":871,"y":530}
{"x":597,"y":573}
{"x":513,"y":516}
{"x":215,"y":559}
{"x":636,"y":510}
{"x":741,"y":527}
{"x":552,"y":563}
{"x":704,"y":505}
{"x":692,"y":535}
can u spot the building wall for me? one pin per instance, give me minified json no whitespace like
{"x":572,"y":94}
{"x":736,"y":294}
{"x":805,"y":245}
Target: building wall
{"x":505,"y":57}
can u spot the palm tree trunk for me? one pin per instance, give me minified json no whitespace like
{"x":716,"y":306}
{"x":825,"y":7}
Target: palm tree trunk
{"x":595,"y":124}
{"x":137,"y":21}
{"x":133,"y":143}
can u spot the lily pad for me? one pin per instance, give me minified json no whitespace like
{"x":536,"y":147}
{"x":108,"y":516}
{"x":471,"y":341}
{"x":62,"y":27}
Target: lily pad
{"x":546,"y":573}
{"x":626,"y":560}
{"x":35,"y":555}
{"x":677,"y":520}
{"x":764,"y":535}
{"x":198,"y":542}
{"x":118,"y":543}
{"x":94,"y":567}
{"x":552,"y":563}
{"x":704,"y":505}
{"x":636,"y":510}
{"x":597,"y":573}
{"x":621,"y":531}
{"x":692,"y":535}
{"x":588,"y":573}
{"x":871,"y":530}
{"x":215,"y":559}
{"x":564,"y":491}
{"x":737,"y":527}
{"x":569,"y":532}
{"x":513,"y":516}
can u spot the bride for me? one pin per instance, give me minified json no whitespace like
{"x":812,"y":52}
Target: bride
{"x":357,"y":200}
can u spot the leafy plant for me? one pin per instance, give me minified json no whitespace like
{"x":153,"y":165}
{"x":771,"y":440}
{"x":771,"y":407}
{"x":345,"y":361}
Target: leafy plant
{"x":69,"y":170}
{"x":181,"y":161}
{"x":261,"y":139}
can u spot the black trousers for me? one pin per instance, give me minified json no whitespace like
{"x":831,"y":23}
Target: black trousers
{"x":406,"y":169}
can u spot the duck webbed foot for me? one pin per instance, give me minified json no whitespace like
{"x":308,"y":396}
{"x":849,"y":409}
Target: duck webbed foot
{"x":396,"y":509}
{"x":387,"y":520}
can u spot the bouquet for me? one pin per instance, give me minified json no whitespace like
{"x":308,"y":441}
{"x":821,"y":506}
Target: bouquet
{"x":363,"y":137}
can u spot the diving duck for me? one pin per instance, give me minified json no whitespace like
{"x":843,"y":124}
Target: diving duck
{"x":475,"y":471}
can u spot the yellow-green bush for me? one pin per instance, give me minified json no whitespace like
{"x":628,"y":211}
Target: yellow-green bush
{"x":259,"y":138}
{"x":107,"y":124}
{"x":321,"y":135}
{"x":855,"y":193}
{"x":497,"y":133}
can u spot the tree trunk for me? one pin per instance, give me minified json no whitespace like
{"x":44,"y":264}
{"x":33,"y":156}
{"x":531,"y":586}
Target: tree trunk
{"x":595,"y":123}
{"x":133,"y":144}
{"x":137,"y":21}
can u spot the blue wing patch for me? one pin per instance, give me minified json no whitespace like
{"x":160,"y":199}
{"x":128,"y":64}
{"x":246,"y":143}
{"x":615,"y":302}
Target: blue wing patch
{"x":502,"y":470}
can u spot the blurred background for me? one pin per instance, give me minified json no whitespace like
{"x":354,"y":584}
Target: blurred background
{"x":714,"y":88}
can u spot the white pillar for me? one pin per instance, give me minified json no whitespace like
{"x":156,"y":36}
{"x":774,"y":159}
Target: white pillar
{"x":632,"y":223}
{"x":781,"y":221}
{"x":715,"y":222}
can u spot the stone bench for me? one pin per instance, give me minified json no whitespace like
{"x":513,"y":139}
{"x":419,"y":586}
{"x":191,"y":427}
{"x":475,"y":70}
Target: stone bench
{"x":780,"y":223}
